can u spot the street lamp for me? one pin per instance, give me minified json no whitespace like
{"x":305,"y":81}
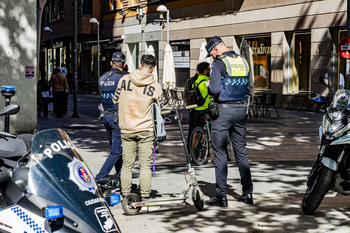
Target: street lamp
{"x":162,"y":9}
{"x":93,"y":20}
{"x":48,"y":29}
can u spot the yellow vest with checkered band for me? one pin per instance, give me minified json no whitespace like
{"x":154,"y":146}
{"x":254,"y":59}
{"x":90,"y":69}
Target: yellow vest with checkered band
{"x":236,"y":80}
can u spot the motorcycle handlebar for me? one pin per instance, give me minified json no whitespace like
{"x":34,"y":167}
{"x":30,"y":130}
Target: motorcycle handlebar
{"x":172,"y":110}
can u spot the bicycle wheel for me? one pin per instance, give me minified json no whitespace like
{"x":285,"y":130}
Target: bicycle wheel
{"x":199,"y":146}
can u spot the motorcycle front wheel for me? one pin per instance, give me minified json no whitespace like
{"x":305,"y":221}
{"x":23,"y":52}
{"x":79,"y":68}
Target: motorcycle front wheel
{"x":317,"y":189}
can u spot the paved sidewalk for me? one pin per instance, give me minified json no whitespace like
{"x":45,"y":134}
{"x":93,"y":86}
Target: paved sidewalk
{"x":281,"y":150}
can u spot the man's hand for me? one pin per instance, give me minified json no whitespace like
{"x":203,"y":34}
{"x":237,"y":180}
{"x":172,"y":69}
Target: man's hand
{"x":207,"y":84}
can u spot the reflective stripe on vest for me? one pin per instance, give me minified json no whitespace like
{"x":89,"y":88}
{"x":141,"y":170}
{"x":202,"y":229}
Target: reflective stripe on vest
{"x":236,"y":66}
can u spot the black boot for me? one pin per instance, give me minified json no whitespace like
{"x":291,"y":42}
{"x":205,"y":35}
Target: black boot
{"x":216,"y":201}
{"x":246,"y":198}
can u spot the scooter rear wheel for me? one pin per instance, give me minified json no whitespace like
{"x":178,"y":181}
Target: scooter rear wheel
{"x":197,"y":200}
{"x":127,"y":201}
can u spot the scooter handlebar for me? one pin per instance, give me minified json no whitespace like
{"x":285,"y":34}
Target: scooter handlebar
{"x":7,"y":135}
{"x":172,"y":110}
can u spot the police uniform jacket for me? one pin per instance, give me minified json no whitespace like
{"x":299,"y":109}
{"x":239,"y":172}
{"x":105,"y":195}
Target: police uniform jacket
{"x":229,"y":78}
{"x":108,"y":84}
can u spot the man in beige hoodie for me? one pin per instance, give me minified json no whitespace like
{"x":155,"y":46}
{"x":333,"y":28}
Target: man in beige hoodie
{"x":134,"y":95}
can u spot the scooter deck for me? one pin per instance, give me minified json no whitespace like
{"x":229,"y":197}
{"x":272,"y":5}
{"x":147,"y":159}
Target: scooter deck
{"x":159,"y":201}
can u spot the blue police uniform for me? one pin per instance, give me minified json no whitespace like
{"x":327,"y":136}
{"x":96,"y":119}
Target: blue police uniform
{"x":108,"y":83}
{"x":229,"y":83}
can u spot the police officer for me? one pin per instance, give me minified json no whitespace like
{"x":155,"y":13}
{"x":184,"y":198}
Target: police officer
{"x":229,"y":83}
{"x":108,"y":83}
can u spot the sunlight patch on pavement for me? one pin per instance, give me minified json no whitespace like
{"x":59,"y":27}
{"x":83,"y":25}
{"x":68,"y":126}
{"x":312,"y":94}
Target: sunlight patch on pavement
{"x":266,"y":141}
{"x":301,"y":139}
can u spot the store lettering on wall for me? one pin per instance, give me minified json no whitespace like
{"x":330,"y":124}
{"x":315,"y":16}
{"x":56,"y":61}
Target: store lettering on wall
{"x":262,"y":50}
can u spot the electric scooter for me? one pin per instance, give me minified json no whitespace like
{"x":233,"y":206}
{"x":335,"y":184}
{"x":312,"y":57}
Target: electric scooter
{"x":132,"y":202}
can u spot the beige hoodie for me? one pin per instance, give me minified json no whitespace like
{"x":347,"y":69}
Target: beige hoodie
{"x":134,"y":95}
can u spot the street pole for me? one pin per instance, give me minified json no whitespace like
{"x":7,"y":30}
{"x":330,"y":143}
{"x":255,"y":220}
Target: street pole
{"x":75,"y":62}
{"x":98,"y":50}
{"x":348,"y":60}
{"x":51,"y":38}
{"x":167,"y":26}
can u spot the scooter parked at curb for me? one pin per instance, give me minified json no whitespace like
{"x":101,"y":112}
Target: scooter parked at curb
{"x":331,"y":170}
{"x":49,"y":188}
{"x":132,"y":202}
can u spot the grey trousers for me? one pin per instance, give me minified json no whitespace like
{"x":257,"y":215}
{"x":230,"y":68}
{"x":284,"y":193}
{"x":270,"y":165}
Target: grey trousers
{"x":231,"y":121}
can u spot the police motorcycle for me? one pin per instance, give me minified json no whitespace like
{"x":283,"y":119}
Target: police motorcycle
{"x":49,"y":187}
{"x":331,"y":170}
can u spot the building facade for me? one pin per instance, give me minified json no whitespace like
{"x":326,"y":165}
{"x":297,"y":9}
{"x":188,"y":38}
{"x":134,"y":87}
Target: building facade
{"x":293,"y":41}
{"x":57,"y":45}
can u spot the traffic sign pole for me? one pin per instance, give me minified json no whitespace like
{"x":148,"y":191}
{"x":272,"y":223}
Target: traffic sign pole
{"x":347,"y":82}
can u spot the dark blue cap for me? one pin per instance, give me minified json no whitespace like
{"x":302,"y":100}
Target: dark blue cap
{"x":214,"y":41}
{"x":118,"y":57}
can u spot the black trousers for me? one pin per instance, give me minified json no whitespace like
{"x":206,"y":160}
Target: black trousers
{"x":59,"y":101}
{"x":231,"y":121}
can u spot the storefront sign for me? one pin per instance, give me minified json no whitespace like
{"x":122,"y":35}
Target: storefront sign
{"x":262,"y":50}
{"x":344,"y":48}
{"x":29,"y":72}
{"x":181,"y":59}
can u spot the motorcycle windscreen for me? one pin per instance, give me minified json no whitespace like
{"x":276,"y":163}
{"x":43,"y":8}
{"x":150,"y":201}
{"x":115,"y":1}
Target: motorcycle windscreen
{"x":59,"y":174}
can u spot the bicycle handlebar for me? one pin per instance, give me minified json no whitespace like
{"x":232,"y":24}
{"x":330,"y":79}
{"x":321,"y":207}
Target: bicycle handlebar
{"x":172,"y":110}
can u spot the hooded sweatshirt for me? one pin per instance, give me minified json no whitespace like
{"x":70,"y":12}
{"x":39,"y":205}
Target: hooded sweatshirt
{"x":134,"y":95}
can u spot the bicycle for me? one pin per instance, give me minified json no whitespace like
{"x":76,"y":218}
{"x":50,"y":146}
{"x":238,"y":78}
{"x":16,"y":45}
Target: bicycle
{"x":200,"y":143}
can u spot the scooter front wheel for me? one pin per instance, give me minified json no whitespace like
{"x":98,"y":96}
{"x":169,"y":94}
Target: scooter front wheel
{"x":127,"y":204}
{"x":198,"y":201}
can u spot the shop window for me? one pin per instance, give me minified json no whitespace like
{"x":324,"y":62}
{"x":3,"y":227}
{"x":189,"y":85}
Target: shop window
{"x":84,"y":7}
{"x":181,"y":53}
{"x":299,"y":62}
{"x":60,"y":7}
{"x":261,"y":48}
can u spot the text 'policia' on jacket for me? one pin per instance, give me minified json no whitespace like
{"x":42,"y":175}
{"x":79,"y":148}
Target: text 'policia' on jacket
{"x":236,"y":80}
{"x":108,"y":84}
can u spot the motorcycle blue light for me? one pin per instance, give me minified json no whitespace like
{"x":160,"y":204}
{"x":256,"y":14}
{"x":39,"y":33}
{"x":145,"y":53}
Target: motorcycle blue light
{"x":319,"y":100}
{"x":53,"y":212}
{"x":115,"y":199}
{"x":8,"y":88}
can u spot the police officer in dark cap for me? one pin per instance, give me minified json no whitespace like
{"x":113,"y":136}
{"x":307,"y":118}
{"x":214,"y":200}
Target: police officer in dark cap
{"x":108,"y":83}
{"x":229,"y":83}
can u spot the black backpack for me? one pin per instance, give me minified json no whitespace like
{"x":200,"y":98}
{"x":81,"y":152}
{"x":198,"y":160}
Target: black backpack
{"x":190,"y":96}
{"x":197,"y":95}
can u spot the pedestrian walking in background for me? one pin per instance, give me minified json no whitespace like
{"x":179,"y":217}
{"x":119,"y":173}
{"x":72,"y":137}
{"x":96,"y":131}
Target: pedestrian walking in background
{"x":43,"y":93}
{"x":60,"y":91}
{"x":135,"y":94}
{"x":108,"y":84}
{"x":203,"y":71}
{"x":229,"y":84}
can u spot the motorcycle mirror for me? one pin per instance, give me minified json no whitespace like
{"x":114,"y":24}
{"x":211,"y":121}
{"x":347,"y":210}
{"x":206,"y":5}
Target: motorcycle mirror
{"x":324,"y":80}
{"x":10,"y":109}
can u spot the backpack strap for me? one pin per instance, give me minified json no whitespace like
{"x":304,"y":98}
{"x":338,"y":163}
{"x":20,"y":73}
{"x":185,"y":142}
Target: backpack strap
{"x":198,"y":87}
